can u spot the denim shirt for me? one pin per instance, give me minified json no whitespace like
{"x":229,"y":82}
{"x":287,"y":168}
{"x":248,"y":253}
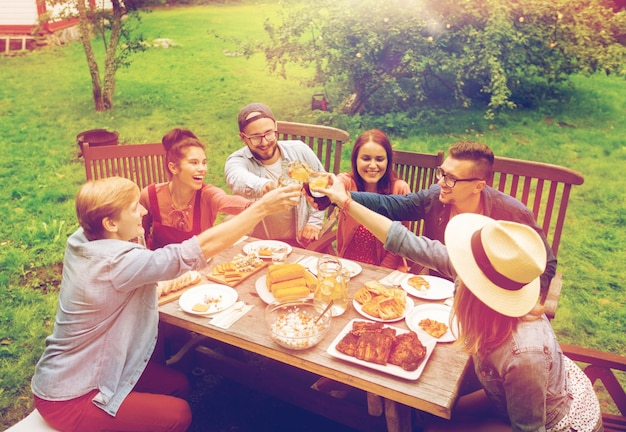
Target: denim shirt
{"x":425,"y":205}
{"x":525,"y":376}
{"x":106,"y":322}
{"x":245,"y":176}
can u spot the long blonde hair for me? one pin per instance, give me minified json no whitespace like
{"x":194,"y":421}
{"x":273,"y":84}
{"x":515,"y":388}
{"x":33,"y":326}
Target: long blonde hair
{"x":103,"y":198}
{"x":481,"y":328}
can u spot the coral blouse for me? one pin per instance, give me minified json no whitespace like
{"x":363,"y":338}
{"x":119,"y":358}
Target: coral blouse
{"x":165,"y":224}
{"x":355,"y":240}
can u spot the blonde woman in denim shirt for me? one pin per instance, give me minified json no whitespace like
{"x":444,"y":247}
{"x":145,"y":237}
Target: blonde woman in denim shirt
{"x":528,"y":383}
{"x":96,"y":371}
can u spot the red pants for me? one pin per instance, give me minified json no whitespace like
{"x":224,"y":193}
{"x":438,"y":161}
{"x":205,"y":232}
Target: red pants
{"x":155,"y":404}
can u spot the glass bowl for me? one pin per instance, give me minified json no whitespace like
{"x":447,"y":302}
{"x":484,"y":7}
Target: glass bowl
{"x":291,"y":325}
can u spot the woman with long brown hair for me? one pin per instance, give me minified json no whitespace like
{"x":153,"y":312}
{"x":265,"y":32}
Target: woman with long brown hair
{"x":372,"y":171}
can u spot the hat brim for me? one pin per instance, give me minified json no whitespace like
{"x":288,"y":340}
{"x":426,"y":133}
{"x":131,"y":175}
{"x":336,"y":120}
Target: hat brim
{"x":458,"y":237}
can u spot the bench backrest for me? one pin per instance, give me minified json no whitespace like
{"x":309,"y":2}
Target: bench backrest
{"x":141,"y":163}
{"x":418,"y":170}
{"x":325,"y":141}
{"x":542,"y":187}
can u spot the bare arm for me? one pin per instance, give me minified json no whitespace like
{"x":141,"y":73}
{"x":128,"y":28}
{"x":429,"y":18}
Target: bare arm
{"x":376,"y":223}
{"x":222,"y":236}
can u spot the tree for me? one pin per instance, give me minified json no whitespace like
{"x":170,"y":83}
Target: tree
{"x":393,"y":55}
{"x":112,"y":26}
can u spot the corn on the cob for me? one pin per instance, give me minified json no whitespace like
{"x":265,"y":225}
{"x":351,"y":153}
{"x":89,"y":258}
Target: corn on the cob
{"x":298,"y":282}
{"x":283,"y":272}
{"x":311,"y":281}
{"x":286,"y":294}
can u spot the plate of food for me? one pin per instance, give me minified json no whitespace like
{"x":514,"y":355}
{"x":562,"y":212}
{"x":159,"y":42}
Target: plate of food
{"x":428,"y":287}
{"x":353,"y":267}
{"x":387,"y":349}
{"x":207,"y":299}
{"x":288,"y":289}
{"x":377,"y":317}
{"x":433,"y":320}
{"x":265,"y":248}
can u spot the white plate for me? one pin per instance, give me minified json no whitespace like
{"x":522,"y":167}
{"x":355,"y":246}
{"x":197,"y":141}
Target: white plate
{"x":388,"y":368}
{"x":261,"y":289}
{"x":437,"y":312}
{"x":439,"y":289}
{"x":225,"y":296}
{"x":354,"y":268}
{"x":358,"y":307}
{"x":256,"y":245}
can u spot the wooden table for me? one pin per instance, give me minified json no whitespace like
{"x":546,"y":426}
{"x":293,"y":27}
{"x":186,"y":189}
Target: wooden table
{"x":434,"y":392}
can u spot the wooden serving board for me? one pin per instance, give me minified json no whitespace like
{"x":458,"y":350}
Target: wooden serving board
{"x":174,"y":295}
{"x":244,"y":275}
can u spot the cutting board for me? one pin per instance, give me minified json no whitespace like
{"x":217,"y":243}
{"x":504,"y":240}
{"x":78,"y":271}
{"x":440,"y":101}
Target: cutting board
{"x":244,"y":275}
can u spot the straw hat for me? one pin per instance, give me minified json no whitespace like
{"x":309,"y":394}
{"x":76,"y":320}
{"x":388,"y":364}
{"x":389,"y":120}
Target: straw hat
{"x":499,"y":261}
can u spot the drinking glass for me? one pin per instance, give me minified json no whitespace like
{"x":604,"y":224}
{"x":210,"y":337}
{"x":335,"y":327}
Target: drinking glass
{"x":317,"y":180}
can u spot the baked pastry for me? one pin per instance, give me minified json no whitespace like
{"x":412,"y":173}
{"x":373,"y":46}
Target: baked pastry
{"x":363,"y":295}
{"x":390,"y":308}
{"x":200,"y":307}
{"x":186,"y":279}
{"x":407,"y":351}
{"x":418,"y":282}
{"x":434,"y":328}
{"x":372,"y":307}
{"x":265,"y":252}
{"x":376,"y":287}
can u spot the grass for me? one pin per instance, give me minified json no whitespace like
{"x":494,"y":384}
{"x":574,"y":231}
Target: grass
{"x":45,"y":101}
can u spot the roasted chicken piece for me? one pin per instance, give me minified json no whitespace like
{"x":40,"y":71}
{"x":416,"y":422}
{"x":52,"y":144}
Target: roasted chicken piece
{"x":347,"y":344}
{"x":374,"y":347}
{"x":407,"y":351}
{"x":360,"y":327}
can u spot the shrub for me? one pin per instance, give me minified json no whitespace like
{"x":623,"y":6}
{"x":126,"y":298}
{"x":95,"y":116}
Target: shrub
{"x":403,"y":56}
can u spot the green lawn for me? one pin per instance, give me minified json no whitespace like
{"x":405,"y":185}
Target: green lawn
{"x":45,"y":100}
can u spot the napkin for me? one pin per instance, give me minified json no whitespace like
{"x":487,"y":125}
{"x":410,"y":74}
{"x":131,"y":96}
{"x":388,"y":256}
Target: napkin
{"x":393,"y":279}
{"x":230,"y":316}
{"x":308,"y":262}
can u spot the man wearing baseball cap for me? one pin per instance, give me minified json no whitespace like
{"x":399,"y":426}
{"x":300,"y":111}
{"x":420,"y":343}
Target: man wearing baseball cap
{"x":256,"y":168}
{"x":528,"y":383}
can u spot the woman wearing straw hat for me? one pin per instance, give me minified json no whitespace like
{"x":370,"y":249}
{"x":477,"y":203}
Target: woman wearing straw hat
{"x":528,"y":384}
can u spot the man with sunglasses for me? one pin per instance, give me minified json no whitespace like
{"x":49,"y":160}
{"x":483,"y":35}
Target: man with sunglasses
{"x":256,"y":168}
{"x":461,"y":188}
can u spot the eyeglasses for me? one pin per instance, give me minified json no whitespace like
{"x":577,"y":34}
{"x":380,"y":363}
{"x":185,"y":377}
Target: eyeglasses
{"x":256,"y":140}
{"x":448,"y":180}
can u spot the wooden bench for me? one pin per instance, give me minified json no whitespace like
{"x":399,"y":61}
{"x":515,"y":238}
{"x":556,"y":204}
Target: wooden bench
{"x":33,"y":422}
{"x":545,"y":190}
{"x":142,"y":163}
{"x":327,"y":142}
{"x":601,"y":366}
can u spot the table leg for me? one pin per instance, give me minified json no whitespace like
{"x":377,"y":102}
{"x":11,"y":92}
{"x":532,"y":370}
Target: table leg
{"x":398,"y":416}
{"x":374,"y":404}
